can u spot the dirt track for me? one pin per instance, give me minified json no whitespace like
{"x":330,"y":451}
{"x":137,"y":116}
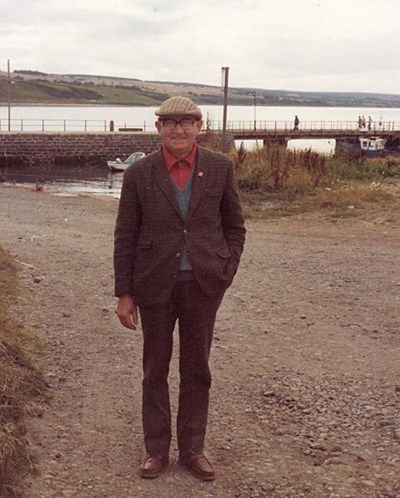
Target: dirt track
{"x":306,"y":359}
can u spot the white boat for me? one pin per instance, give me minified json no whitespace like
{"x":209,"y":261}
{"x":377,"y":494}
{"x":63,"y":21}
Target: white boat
{"x":118,"y":166}
{"x":372,"y":146}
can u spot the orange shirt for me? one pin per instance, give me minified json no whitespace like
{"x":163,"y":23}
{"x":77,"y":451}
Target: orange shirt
{"x":180,"y":169}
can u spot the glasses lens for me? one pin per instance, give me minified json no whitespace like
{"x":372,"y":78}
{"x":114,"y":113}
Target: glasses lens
{"x":184,"y":123}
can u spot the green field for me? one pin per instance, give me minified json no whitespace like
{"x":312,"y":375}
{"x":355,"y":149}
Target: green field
{"x":43,"y":92}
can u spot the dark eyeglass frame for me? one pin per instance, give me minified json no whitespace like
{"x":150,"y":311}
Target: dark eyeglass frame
{"x":184,"y":123}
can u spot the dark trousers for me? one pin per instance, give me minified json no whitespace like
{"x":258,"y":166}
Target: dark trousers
{"x":196,"y":315}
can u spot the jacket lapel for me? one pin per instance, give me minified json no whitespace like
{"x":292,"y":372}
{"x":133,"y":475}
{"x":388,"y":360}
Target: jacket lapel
{"x":163,"y":179}
{"x":200,"y":181}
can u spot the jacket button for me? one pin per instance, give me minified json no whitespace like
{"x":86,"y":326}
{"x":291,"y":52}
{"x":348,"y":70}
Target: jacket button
{"x":185,"y":231}
{"x":178,"y":254}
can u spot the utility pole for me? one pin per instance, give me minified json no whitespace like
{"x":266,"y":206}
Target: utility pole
{"x":225,"y":78}
{"x":254,"y":95}
{"x":9,"y":94}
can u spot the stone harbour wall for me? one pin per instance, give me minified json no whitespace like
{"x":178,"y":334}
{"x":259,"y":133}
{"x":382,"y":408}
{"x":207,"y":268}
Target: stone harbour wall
{"x":74,"y":149}
{"x":44,"y":149}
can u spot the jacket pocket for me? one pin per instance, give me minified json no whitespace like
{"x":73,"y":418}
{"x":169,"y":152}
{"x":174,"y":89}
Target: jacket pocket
{"x":143,"y":253}
{"x":228,"y":270}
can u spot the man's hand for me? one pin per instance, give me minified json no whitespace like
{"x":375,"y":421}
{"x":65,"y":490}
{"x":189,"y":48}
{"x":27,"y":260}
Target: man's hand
{"x":127,"y":311}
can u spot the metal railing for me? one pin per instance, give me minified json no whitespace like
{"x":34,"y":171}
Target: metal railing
{"x":93,"y":125}
{"x":65,"y":125}
{"x":304,"y":125}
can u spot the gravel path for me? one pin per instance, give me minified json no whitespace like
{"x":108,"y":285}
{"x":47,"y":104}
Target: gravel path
{"x":306,"y":359}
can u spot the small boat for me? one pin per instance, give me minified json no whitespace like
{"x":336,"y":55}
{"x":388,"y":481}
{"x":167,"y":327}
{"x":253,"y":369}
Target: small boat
{"x":368,"y":146}
{"x":119,"y":166}
{"x":372,"y":146}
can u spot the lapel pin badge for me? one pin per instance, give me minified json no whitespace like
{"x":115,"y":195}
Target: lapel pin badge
{"x":200,"y":173}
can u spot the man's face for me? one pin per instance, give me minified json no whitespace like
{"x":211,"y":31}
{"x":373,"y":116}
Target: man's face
{"x":179,"y":134}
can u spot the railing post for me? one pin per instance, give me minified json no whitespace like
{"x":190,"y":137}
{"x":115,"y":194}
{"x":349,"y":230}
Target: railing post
{"x":42,"y":124}
{"x":65,"y":126}
{"x":85,"y":125}
{"x":22,"y":125}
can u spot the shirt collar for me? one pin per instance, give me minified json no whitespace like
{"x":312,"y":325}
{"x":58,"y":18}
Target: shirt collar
{"x":170,"y":160}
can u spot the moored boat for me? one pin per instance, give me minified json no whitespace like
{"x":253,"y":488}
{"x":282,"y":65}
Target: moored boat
{"x":372,"y":146}
{"x":118,"y":166}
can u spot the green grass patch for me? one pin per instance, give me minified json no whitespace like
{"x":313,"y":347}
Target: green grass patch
{"x":363,"y":169}
{"x":42,"y":91}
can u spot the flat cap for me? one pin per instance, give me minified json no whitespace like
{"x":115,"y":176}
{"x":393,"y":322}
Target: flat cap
{"x":179,"y":106}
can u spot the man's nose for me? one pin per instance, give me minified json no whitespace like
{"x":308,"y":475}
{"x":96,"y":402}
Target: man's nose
{"x":178,"y":127}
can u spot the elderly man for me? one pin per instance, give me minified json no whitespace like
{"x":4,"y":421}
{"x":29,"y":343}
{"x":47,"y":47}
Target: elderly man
{"x":179,"y":237}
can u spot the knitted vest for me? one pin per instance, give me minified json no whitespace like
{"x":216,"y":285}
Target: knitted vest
{"x":183,"y":199}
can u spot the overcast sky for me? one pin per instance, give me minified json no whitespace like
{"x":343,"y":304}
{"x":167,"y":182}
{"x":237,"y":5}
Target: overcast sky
{"x":325,"y":45}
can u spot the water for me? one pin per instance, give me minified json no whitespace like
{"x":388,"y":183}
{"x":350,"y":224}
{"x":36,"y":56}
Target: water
{"x":110,"y":187}
{"x":145,"y":117}
{"x":96,"y":180}
{"x":92,"y":180}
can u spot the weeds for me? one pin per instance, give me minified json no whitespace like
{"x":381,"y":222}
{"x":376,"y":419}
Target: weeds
{"x":20,"y":382}
{"x":277,"y":181}
{"x":363,"y":169}
{"x":274,"y":168}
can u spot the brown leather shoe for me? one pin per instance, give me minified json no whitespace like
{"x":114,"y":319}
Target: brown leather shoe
{"x":199,"y":466}
{"x":152,"y":466}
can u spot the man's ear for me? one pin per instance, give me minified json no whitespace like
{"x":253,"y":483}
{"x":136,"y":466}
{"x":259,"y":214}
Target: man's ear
{"x":158,"y":125}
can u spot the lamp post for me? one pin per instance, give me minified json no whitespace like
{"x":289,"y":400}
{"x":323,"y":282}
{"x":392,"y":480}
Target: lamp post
{"x":254,"y":95}
{"x":225,"y":78}
{"x":8,"y":94}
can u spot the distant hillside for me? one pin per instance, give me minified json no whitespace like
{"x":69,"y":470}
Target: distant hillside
{"x":35,"y":87}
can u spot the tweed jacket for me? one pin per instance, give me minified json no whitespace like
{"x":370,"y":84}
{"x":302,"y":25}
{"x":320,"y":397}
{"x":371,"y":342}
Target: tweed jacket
{"x":150,"y":231}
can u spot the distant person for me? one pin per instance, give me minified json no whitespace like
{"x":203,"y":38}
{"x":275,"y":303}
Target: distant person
{"x":369,"y":123}
{"x":359,"y":122}
{"x":363,"y":125}
{"x":179,"y":236}
{"x":296,"y":122}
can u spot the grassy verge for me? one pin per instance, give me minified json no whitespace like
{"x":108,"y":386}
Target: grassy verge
{"x":275,"y":181}
{"x":20,"y":383}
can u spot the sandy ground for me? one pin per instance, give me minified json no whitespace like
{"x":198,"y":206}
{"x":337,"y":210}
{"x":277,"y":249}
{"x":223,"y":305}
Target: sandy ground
{"x":306,"y":359}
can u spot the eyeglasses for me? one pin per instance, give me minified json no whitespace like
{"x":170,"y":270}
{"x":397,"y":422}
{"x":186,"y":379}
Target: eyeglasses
{"x":184,"y":123}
